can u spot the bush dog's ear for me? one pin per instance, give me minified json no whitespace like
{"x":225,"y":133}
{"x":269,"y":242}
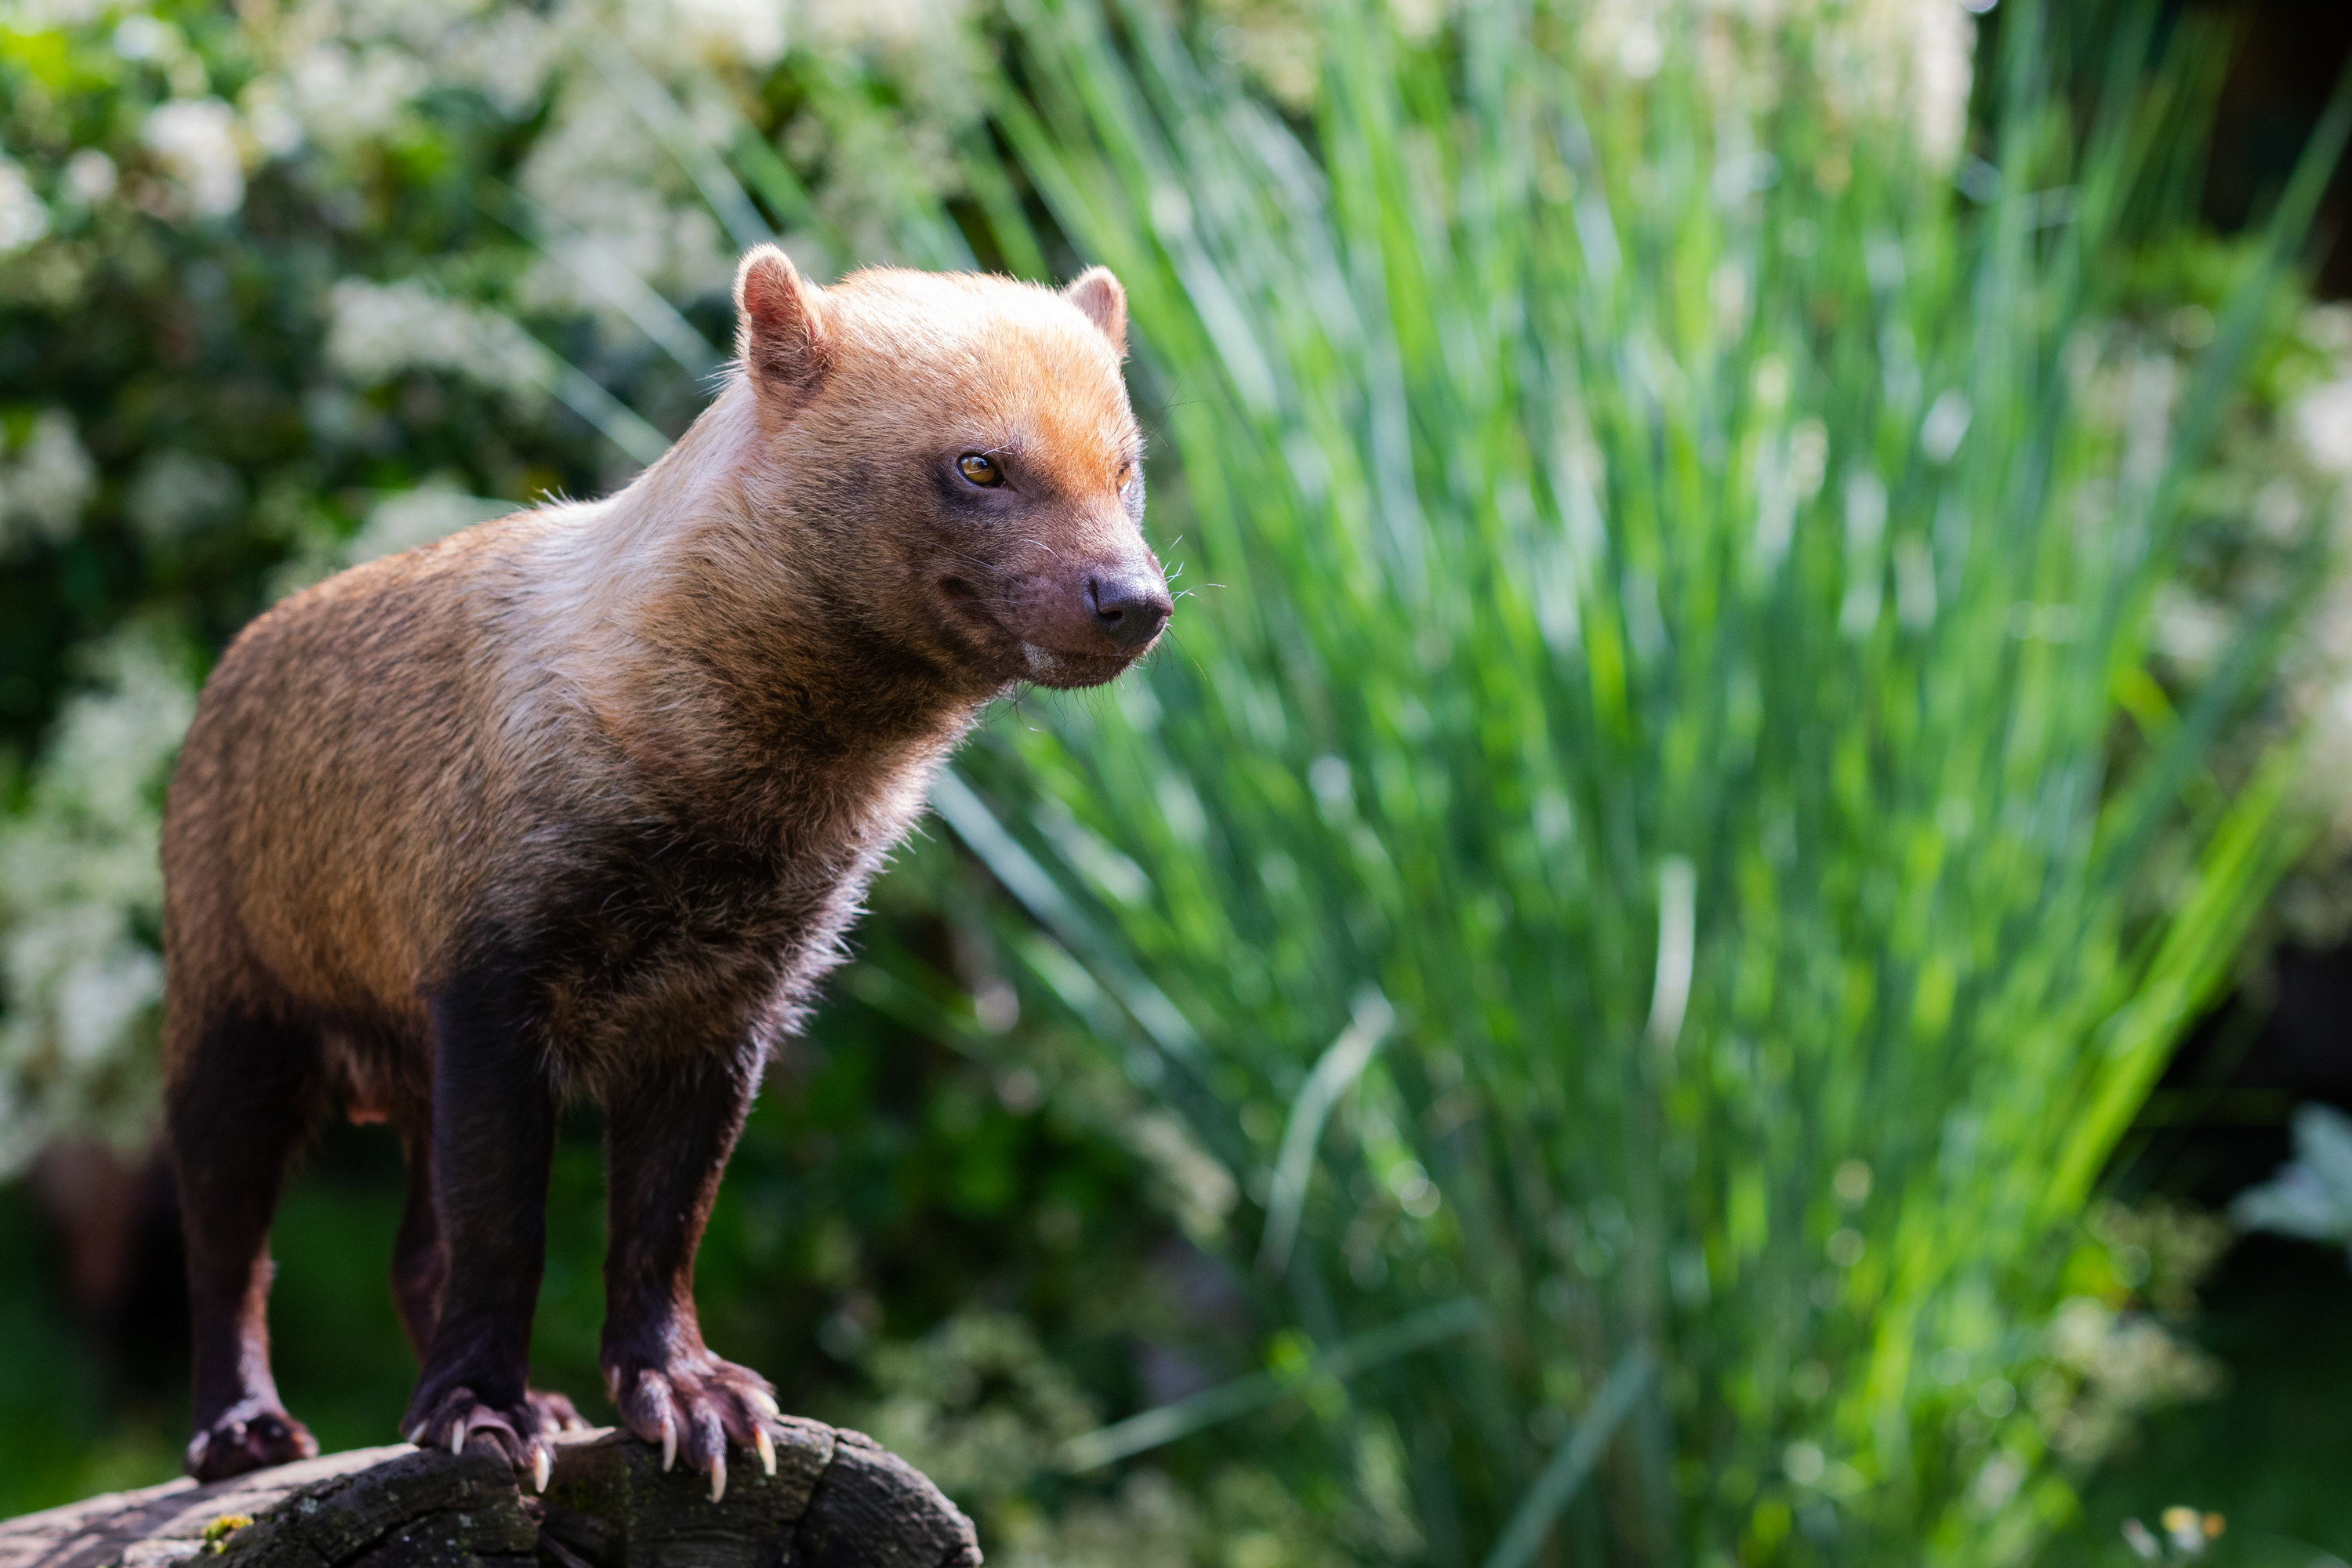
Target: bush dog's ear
{"x":781,"y":338}
{"x":1099,"y":294}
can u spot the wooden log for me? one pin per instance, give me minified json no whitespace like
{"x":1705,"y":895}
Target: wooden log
{"x":836,"y":1501}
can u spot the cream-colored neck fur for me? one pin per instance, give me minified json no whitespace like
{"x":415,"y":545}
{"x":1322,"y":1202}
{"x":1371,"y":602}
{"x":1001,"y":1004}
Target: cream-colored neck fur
{"x":636,"y":623}
{"x":624,"y":562}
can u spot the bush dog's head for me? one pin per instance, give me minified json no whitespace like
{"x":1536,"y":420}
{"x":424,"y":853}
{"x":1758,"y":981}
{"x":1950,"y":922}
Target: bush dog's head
{"x":962,"y":450}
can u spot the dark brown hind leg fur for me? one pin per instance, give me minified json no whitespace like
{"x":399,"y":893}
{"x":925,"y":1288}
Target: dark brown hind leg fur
{"x":668,"y":1134}
{"x":243,"y":1095}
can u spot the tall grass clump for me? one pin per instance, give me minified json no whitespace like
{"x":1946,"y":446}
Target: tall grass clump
{"x":1656,"y":854}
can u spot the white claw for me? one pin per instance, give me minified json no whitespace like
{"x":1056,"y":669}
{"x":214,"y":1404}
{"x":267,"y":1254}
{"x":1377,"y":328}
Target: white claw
{"x":767,"y":1449}
{"x":457,"y":1436}
{"x":718,"y":1477}
{"x":766,"y":1401}
{"x":542,"y":1465}
{"x":669,"y":1442}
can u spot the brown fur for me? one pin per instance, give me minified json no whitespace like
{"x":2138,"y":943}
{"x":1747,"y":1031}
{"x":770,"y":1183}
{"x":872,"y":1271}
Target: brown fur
{"x":580,"y":802}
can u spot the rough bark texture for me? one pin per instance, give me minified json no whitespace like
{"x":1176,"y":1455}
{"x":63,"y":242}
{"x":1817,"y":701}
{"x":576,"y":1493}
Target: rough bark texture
{"x":836,"y":1501}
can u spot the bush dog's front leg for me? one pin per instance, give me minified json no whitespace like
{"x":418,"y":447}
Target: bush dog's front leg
{"x":668,"y":1134}
{"x":493,"y":1136}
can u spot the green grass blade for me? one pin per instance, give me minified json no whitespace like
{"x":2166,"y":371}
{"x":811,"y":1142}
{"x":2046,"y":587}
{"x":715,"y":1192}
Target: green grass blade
{"x":1164,"y":1424}
{"x":1335,"y":1071}
{"x":1565,"y":1476}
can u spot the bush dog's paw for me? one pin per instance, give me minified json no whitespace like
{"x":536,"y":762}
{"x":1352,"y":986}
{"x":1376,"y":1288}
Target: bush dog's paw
{"x":251,"y":1435}
{"x":693,"y":1407}
{"x":519,"y":1433}
{"x":555,"y":1413}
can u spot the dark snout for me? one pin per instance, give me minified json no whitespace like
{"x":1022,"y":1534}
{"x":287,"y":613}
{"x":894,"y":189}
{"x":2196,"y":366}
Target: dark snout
{"x":1130,"y":607}
{"x":1083,"y":621}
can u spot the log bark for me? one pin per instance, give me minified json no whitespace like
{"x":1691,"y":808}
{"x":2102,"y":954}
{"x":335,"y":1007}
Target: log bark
{"x":836,"y":1501}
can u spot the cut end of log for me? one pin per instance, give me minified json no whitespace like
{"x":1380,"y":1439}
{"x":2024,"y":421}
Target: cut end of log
{"x":835,"y":1500}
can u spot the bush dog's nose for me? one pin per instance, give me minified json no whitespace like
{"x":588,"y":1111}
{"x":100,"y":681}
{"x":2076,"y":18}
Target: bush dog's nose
{"x":1130,"y":609}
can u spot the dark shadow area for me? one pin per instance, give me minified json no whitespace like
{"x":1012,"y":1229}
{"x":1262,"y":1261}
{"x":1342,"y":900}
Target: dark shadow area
{"x":2290,"y":55}
{"x":2272,"y":1452}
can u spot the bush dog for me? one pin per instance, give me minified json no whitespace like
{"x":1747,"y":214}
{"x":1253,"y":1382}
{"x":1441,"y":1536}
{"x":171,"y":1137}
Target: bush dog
{"x":580,"y":802}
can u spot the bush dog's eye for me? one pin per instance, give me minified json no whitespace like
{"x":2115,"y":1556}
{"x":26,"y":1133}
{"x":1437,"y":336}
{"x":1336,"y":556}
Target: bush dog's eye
{"x":981,"y":470}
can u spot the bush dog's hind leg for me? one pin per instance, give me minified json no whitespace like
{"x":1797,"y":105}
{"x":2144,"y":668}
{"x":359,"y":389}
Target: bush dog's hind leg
{"x":242,"y":1096}
{"x":668,"y":1133}
{"x":493,"y":1136}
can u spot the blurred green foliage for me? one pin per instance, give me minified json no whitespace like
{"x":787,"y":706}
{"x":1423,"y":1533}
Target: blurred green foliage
{"x":1686,"y":807}
{"x":1732,"y":706}
{"x":189,"y":355}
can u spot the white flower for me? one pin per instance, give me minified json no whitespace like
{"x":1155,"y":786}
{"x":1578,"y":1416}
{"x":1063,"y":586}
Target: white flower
{"x":268,"y":119}
{"x":1943,"y":53}
{"x":90,"y":174}
{"x":381,"y":330}
{"x":890,"y":23}
{"x":79,"y":884}
{"x":2192,"y":631}
{"x":1997,"y":1483}
{"x":140,"y":37}
{"x":343,"y":95}
{"x":750,"y":31}
{"x":44,"y":16}
{"x":44,"y":489}
{"x":506,"y":56}
{"x":599,"y":170}
{"x":176,"y":493}
{"x":196,"y":141}
{"x":2128,"y":1360}
{"x":23,"y":218}
{"x":2323,"y":422}
{"x":1902,"y":62}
